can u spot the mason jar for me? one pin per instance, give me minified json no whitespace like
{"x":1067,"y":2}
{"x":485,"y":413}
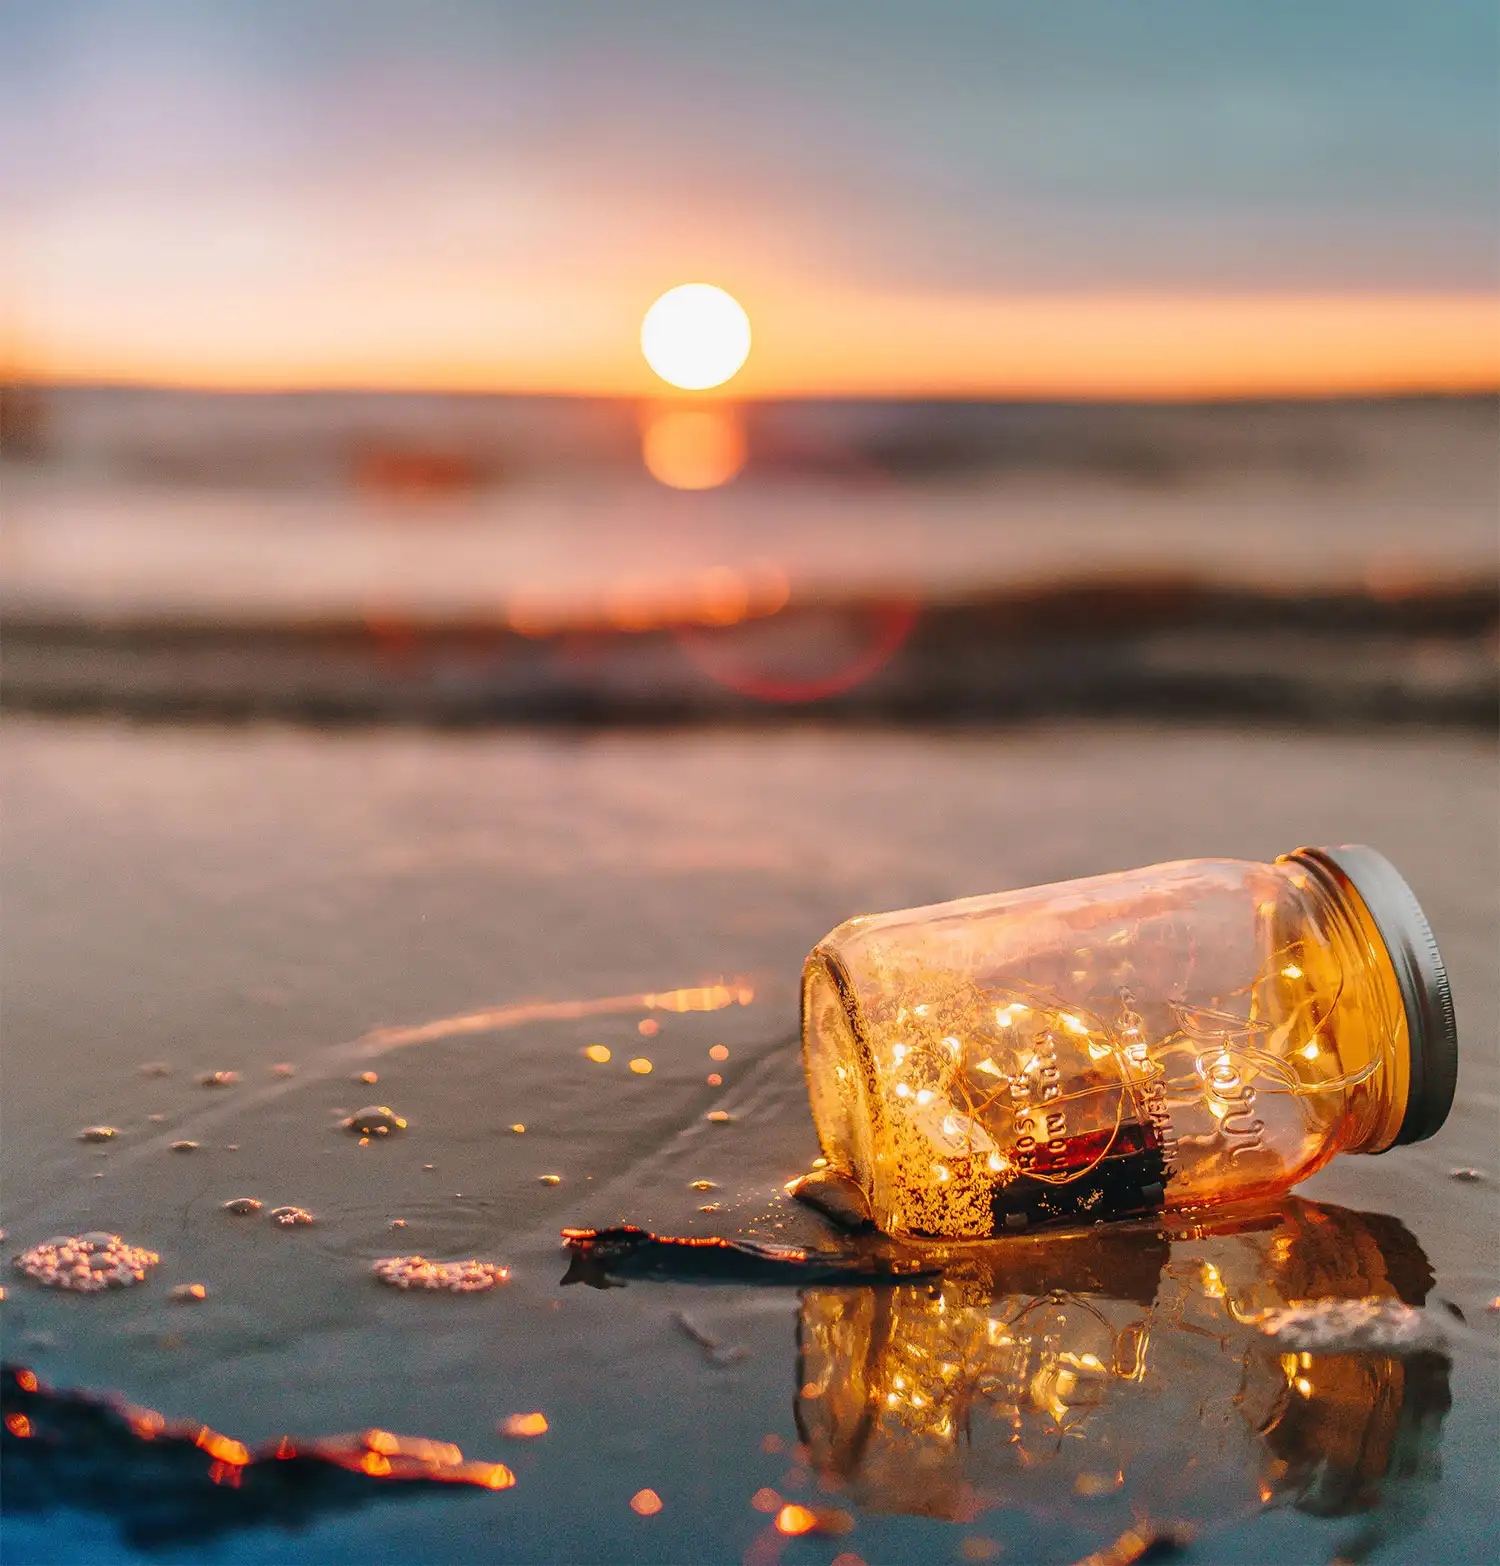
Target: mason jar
{"x":1181,"y":1036}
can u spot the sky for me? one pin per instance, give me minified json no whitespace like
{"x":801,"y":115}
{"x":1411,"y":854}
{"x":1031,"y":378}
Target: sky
{"x":1083,"y":197}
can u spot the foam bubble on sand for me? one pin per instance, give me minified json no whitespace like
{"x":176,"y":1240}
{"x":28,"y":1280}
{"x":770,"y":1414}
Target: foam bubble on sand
{"x":87,"y":1263}
{"x":458,"y":1277}
{"x":1349,"y":1326}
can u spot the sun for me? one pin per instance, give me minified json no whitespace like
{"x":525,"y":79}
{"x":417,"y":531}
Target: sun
{"x":695,"y":336}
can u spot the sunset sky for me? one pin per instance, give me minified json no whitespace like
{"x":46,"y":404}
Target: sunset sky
{"x":1083,"y":197}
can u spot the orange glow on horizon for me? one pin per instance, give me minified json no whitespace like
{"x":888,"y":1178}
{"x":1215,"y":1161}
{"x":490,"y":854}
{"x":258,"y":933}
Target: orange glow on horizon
{"x":811,"y":342}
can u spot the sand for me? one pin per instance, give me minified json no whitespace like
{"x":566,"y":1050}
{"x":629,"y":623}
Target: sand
{"x":463,"y":916}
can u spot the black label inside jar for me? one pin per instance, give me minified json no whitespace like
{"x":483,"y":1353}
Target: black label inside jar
{"x":1118,"y":1173}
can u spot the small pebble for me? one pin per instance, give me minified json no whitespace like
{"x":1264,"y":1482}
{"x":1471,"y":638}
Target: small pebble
{"x":367,"y":1077}
{"x":429,"y":1167}
{"x":712,"y":1207}
{"x":374,"y":1120}
{"x":719,"y":1052}
{"x":187,"y":1293}
{"x":283,"y":1068}
{"x":549,"y":1179}
{"x":714,"y":1079}
{"x":242,"y":1206}
{"x":458,"y":1277}
{"x":641,"y":1066}
{"x":704,"y":1185}
{"x":291,"y":1217}
{"x":519,"y":1129}
{"x":98,"y":1134}
{"x":87,"y":1263}
{"x":219,"y":1079}
{"x":184,"y":1147}
{"x":1494,"y":1305}
{"x":1468,"y":1176}
{"x":519,"y":1427}
{"x":719,"y":1117}
{"x":398,"y":1223}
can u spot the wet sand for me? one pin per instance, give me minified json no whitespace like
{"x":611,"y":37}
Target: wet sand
{"x":233,"y":900}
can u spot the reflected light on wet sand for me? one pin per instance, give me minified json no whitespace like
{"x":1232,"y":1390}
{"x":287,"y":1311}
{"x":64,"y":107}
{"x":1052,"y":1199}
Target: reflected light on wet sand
{"x":693,"y":448}
{"x":1087,"y":1363}
{"x":173,"y":1483}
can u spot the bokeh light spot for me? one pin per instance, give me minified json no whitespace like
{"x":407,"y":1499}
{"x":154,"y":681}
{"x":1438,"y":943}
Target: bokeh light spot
{"x":793,"y":1520}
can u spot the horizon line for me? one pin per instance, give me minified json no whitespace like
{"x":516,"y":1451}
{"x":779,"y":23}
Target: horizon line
{"x":725,"y":396}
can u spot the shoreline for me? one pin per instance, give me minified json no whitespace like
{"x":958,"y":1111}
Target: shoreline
{"x":1154,"y":646}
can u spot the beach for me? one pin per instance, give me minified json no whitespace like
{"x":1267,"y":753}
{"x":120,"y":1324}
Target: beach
{"x":464,"y":916}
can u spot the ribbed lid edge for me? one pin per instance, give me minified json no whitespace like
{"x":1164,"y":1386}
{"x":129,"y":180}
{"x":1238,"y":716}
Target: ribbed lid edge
{"x":1420,"y":973}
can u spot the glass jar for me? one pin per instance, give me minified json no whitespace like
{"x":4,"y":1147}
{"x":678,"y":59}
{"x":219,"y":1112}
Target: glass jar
{"x":1193,"y":1033}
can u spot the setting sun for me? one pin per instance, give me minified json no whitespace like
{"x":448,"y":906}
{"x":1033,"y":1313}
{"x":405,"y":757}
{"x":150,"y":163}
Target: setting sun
{"x":695,"y":336}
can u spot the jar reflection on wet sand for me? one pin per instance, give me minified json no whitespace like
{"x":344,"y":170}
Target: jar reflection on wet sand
{"x":1128,"y":1363}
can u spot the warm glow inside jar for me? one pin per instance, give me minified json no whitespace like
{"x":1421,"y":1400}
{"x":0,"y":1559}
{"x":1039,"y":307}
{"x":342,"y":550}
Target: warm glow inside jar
{"x":1179,"y":1036}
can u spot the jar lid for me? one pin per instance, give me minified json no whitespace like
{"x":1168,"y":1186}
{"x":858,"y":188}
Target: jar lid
{"x":1420,"y":973}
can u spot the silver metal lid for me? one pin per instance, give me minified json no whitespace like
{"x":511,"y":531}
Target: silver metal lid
{"x":1420,"y":973}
